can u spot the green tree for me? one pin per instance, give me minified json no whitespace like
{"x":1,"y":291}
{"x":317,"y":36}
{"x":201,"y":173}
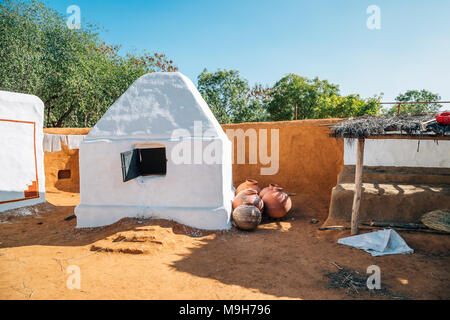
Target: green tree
{"x":294,"y":90}
{"x":259,"y":98}
{"x":417,"y":96}
{"x":230,"y":97}
{"x":75,"y":73}
{"x":315,"y":99}
{"x":353,"y":105}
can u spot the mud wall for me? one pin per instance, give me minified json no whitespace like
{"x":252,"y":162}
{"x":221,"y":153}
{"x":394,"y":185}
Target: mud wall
{"x":61,"y":168}
{"x":309,"y":160}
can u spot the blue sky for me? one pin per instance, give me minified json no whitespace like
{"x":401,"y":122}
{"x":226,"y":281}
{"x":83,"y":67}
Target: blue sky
{"x":266,"y":40}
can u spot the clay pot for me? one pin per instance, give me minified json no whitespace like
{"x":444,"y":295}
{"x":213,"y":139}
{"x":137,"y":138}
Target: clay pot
{"x":277,"y":203}
{"x":249,"y":184}
{"x":268,"y":189}
{"x":249,"y":196}
{"x":247,"y":216}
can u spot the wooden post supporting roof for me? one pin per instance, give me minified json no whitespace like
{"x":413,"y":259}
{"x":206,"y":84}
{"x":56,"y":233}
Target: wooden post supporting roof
{"x":358,"y":186}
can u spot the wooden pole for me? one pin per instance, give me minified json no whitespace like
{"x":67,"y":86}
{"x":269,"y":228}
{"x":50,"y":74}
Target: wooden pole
{"x":296,"y":111}
{"x":358,"y":186}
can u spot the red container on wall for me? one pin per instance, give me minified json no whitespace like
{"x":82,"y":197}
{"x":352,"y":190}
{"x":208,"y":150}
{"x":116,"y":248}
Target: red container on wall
{"x":443,"y":118}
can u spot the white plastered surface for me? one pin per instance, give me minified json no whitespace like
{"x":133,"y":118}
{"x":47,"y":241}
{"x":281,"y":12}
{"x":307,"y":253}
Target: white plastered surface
{"x":198,"y":195}
{"x":400,"y":153}
{"x":18,"y":138}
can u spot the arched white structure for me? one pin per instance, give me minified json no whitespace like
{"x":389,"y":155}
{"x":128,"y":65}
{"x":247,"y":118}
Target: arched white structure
{"x":161,"y":112}
{"x":22,"y":179}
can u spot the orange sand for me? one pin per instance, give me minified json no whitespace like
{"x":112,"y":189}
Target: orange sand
{"x":156,"y":259}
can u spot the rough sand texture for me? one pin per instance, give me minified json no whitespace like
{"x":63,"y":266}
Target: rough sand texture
{"x":156,"y":259}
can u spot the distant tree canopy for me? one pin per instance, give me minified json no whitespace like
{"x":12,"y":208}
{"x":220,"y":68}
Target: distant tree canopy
{"x":232,"y":100}
{"x":230,"y":97}
{"x":295,"y":91}
{"x":75,"y":73}
{"x":417,"y":96}
{"x":78,"y":76}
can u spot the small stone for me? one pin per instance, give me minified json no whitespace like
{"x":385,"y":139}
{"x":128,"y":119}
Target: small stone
{"x":70,"y":217}
{"x":314,"y":221}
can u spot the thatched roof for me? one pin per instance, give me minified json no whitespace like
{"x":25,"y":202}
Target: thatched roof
{"x":374,"y":126}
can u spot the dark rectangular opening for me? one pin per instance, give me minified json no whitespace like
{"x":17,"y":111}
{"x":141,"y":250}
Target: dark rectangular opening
{"x":64,"y":174}
{"x":143,"y":162}
{"x":153,"y":161}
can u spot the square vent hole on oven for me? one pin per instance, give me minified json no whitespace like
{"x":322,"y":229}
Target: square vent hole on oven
{"x":64,"y":174}
{"x":143,"y":162}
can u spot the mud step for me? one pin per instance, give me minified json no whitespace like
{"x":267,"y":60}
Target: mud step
{"x":389,"y":201}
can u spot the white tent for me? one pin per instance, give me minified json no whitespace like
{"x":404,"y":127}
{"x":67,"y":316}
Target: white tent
{"x":22,"y":179}
{"x":157,"y":152}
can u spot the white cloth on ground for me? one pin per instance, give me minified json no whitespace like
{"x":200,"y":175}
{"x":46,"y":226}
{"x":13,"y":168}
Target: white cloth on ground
{"x":380,"y":243}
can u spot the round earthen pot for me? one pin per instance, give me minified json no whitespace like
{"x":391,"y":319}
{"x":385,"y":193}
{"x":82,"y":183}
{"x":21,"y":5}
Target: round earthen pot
{"x":247,"y":216}
{"x":249,"y":196}
{"x":277,"y":203}
{"x":249,"y":184}
{"x":268,"y":189}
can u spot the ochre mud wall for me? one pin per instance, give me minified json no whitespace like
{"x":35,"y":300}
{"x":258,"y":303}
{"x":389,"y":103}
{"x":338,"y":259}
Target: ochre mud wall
{"x":309,"y":160}
{"x":61,"y":168}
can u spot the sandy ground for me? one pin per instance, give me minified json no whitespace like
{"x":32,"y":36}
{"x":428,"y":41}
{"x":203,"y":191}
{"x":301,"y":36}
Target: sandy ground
{"x":157,"y":259}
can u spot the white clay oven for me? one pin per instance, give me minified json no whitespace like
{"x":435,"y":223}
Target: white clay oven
{"x":157,"y":152}
{"x":22,"y":179}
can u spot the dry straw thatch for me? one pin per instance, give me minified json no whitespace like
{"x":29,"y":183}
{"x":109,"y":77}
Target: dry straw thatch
{"x":369,"y":126}
{"x":437,"y":220}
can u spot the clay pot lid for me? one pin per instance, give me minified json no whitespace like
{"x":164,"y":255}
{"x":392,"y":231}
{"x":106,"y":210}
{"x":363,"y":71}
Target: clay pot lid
{"x":251,"y":181}
{"x":278,"y":189}
{"x":273,"y":186}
